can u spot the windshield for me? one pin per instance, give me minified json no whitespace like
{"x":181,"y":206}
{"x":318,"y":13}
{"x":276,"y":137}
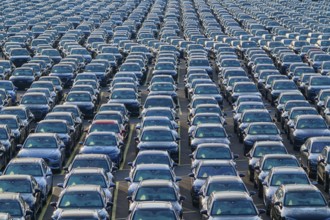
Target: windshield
{"x":3,"y":134}
{"x":285,"y":85}
{"x":105,"y":127}
{"x":11,"y":123}
{"x":152,"y":159}
{"x":15,"y":186}
{"x":206,"y":119}
{"x":214,"y":170}
{"x":233,"y":207}
{"x":311,"y":124}
{"x":40,"y":142}
{"x":20,"y":113}
{"x":263,"y":130}
{"x":155,"y":194}
{"x":289,"y":178}
{"x":162,"y":87}
{"x":159,"y":102}
{"x":98,"y":163}
{"x":245,"y":88}
{"x":269,"y":163}
{"x":157,"y":135}
{"x":11,"y":207}
{"x":34,"y":100}
{"x":213,"y":153}
{"x":152,"y":174}
{"x":242,"y":108}
{"x":81,"y":199}
{"x":82,"y":179}
{"x":304,"y":198}
{"x":206,"y":90}
{"x":23,"y":72}
{"x":225,"y":186}
{"x":78,"y":97}
{"x":51,"y":128}
{"x":123,"y":94}
{"x":152,"y":214}
{"x":257,"y":117}
{"x":318,"y":146}
{"x":23,"y":169}
{"x":210,"y":132}
{"x":268,"y":149}
{"x":100,"y":140}
{"x":320,"y":81}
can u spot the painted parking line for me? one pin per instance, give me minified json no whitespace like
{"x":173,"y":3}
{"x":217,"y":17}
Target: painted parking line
{"x":114,"y":207}
{"x":180,"y":111}
{"x":127,"y":146}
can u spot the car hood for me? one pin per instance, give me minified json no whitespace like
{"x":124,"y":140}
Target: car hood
{"x":38,"y":153}
{"x":306,"y":213}
{"x":157,"y":145}
{"x":197,"y":141}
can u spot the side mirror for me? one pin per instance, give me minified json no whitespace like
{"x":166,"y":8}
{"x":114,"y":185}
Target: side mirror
{"x":262,"y":211}
{"x":130,"y":164}
{"x":321,"y":160}
{"x":28,"y":212}
{"x":175,"y":165}
{"x":109,"y":204}
{"x":60,"y":185}
{"x":191,"y":175}
{"x":182,"y":198}
{"x":129,"y":198}
{"x":236,"y":156}
{"x":54,"y":204}
{"x":112,"y":185}
{"x":191,"y":156}
{"x":203,"y":212}
{"x":257,"y":168}
{"x":252,"y":193}
{"x":19,"y":146}
{"x":241,"y":175}
{"x":178,"y":179}
{"x":127,"y":179}
{"x":278,"y":204}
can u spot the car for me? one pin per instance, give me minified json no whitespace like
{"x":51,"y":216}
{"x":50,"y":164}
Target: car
{"x":282,"y":175}
{"x":13,"y":204}
{"x":93,"y":160}
{"x":150,"y":172}
{"x":279,"y":86}
{"x":261,"y":148}
{"x":93,"y":197}
{"x":16,"y":126}
{"x":266,"y":163}
{"x":157,"y":190}
{"x":108,"y":143}
{"x":69,"y":117}
{"x":228,"y":205}
{"x":204,"y":118}
{"x":48,"y":146}
{"x":37,"y":103}
{"x":221,"y":184}
{"x":129,"y":98}
{"x":315,"y":84}
{"x":90,"y":176}
{"x":206,"y":169}
{"x":206,"y":133}
{"x":83,"y":100}
{"x":27,"y":187}
{"x":251,"y":116}
{"x":153,"y":157}
{"x":35,"y":167}
{"x":243,"y":88}
{"x":207,"y":90}
{"x":153,"y":210}
{"x":260,"y":131}
{"x":61,"y":128}
{"x":283,"y":98}
{"x":23,"y":113}
{"x":211,"y":152}
{"x":23,"y":77}
{"x":162,"y":121}
{"x":158,"y":138}
{"x":306,"y":126}
{"x":293,"y":200}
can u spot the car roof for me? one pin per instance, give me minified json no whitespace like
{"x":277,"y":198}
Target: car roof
{"x":156,"y":183}
{"x":224,"y":179}
{"x":89,"y":170}
{"x":78,"y":212}
{"x":91,"y":156}
{"x":154,"y":205}
{"x":148,"y":152}
{"x":82,"y":188}
{"x":299,"y":187}
{"x":25,"y":160}
{"x":8,"y":195}
{"x":213,"y":145}
{"x":152,"y":167}
{"x":230,"y":195}
{"x":15,"y":177}
{"x":42,"y":135}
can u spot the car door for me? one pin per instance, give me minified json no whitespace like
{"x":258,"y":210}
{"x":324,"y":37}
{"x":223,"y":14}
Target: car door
{"x":48,"y":175}
{"x":305,"y":149}
{"x":322,"y":162}
{"x":278,"y":197}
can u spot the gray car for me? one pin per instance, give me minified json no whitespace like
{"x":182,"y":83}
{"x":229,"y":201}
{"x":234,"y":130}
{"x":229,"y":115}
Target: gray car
{"x":230,"y":205}
{"x":299,"y":202}
{"x":157,"y":190}
{"x":282,"y":175}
